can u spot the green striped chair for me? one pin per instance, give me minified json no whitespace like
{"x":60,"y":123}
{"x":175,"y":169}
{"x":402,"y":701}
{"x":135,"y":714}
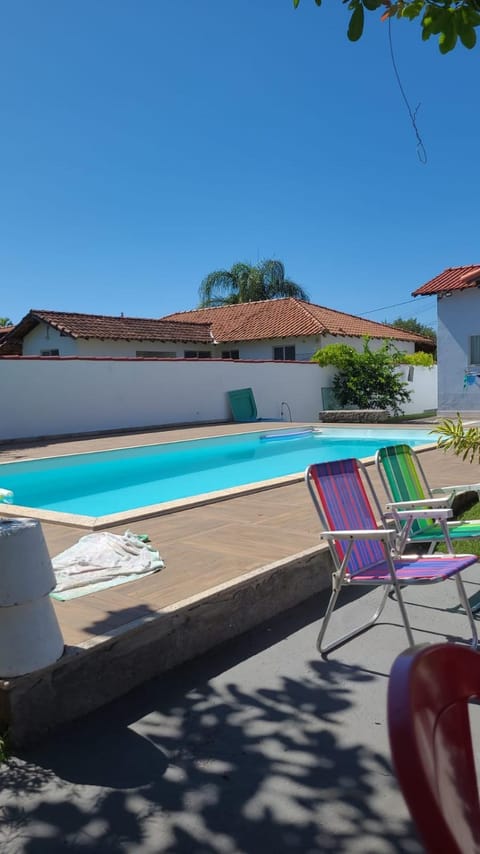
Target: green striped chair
{"x":406,"y":485}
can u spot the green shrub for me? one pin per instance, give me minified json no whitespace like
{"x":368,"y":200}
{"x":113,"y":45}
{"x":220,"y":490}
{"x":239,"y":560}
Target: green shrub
{"x":366,"y":379}
{"x":424,"y":360}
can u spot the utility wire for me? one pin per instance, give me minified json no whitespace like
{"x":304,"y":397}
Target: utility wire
{"x":385,"y":307}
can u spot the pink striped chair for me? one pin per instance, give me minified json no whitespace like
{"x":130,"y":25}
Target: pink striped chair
{"x":364,"y":553}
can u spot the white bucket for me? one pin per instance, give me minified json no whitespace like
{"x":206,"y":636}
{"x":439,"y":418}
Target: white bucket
{"x":30,"y":637}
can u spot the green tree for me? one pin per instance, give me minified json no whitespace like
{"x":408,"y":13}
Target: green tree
{"x":5,"y":321}
{"x":367,"y":379}
{"x":411,"y":324}
{"x":247,"y":283}
{"x":450,"y":20}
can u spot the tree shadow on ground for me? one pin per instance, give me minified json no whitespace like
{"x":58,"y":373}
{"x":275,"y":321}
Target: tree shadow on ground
{"x":192,"y":763}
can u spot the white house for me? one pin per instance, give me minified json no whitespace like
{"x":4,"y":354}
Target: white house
{"x":290,"y":329}
{"x":458,"y":338}
{"x":58,"y":333}
{"x":280,"y":330}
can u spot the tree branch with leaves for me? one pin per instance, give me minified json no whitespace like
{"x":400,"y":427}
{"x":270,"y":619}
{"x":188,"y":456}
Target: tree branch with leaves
{"x":450,"y":20}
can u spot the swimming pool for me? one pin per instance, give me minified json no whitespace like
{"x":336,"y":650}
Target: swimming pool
{"x":140,"y":481}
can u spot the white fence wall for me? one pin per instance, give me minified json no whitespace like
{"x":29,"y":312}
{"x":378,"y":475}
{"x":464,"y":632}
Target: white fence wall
{"x":42,"y":397}
{"x":423,"y":388}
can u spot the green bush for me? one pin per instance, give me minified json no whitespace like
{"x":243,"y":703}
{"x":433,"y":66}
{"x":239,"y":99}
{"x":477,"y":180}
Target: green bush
{"x":424,"y":360}
{"x":366,"y":379}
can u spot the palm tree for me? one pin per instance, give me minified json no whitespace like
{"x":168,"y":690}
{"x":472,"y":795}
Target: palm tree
{"x":247,"y":283}
{"x":5,"y":321}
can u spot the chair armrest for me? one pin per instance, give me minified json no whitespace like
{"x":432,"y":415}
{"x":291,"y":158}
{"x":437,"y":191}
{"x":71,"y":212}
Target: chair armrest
{"x":420,"y":502}
{"x":384,"y":534}
{"x":443,"y":513}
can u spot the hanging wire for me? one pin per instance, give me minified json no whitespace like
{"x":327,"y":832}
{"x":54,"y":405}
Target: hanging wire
{"x":421,"y":150}
{"x":385,"y":307}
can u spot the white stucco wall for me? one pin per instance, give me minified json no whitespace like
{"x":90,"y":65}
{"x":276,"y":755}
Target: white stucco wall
{"x":42,"y":397}
{"x":59,"y":396}
{"x":458,"y":319}
{"x":422,"y":388}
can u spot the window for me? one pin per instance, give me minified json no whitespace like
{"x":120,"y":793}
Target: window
{"x":475,"y":349}
{"x":49,"y":352}
{"x":281,"y":354}
{"x":230,"y":354}
{"x":197,"y":354}
{"x":155,"y":354}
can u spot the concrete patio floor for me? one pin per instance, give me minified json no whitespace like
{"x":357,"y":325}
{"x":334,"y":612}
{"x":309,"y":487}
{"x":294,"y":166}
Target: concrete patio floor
{"x":259,"y":746}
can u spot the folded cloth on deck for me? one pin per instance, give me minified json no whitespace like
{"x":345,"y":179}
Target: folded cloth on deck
{"x":104,"y":557}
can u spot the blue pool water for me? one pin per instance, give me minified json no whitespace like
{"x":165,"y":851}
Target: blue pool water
{"x":106,"y":482}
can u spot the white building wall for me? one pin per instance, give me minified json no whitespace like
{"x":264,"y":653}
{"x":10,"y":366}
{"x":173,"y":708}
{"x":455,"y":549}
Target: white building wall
{"x":44,"y":337}
{"x":305,"y":347}
{"x":458,"y":319}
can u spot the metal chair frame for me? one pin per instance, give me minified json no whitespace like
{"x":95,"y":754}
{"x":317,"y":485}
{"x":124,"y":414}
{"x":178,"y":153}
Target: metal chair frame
{"x":388,"y":537}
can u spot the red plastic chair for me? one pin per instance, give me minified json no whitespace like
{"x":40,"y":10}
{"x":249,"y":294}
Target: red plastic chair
{"x":428,"y":695}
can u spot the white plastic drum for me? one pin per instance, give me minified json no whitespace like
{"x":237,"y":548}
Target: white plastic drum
{"x":30,"y":637}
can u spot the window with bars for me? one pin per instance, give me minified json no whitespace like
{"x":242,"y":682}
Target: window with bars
{"x":156,"y":354}
{"x":50,"y":352}
{"x":230,"y":354}
{"x":284,"y":354}
{"x":197,"y":354}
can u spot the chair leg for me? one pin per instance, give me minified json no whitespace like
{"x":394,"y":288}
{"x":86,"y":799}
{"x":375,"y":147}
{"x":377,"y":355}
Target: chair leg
{"x":403,"y":611}
{"x":344,"y":638}
{"x":466,"y":606}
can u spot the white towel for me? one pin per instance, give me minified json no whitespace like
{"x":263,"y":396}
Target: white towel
{"x":104,"y":557}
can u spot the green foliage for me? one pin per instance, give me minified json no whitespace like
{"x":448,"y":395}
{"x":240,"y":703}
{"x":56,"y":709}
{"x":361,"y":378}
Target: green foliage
{"x":411,"y":324}
{"x":450,"y":20}
{"x":463,"y":441}
{"x":424,"y":360}
{"x":5,"y":321}
{"x":248,"y":283}
{"x":367,"y":380}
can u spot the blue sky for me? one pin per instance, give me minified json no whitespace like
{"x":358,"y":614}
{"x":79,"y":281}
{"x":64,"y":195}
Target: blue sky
{"x":145,"y":143}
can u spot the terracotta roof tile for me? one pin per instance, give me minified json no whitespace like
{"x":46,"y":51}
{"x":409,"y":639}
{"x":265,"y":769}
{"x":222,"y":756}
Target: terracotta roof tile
{"x":452,"y":279}
{"x":115,"y":328}
{"x":285,"y":318}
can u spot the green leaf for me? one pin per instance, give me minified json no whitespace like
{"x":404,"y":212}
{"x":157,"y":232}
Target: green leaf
{"x":295,"y":3}
{"x":355,"y":27}
{"x":448,"y":37}
{"x":371,"y":5}
{"x":468,"y":36}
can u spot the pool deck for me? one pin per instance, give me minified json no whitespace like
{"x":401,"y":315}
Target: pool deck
{"x":230,"y":565}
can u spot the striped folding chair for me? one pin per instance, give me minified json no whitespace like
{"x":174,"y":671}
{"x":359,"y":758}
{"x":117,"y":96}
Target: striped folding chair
{"x":364,"y":553}
{"x":406,"y":485}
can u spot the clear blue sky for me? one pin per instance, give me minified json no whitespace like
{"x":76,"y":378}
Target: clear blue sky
{"x":145,"y":143}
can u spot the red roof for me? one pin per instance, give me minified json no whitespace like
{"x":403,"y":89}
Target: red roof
{"x":112,"y":328}
{"x":452,"y":279}
{"x":285,"y":318}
